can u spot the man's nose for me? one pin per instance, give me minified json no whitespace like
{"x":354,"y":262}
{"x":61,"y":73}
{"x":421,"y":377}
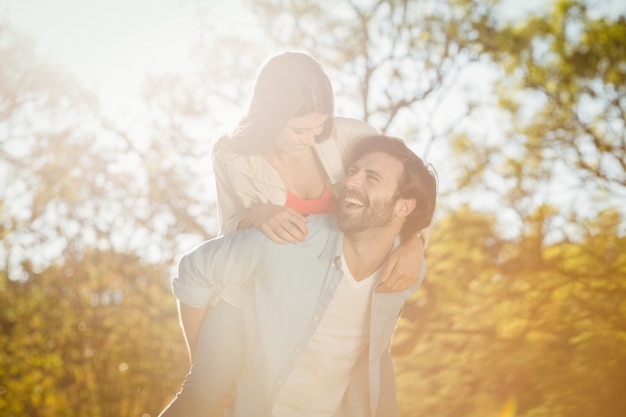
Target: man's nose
{"x":353,"y":180}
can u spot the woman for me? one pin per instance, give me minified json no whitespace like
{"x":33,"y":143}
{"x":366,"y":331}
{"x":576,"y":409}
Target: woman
{"x":284,"y":160}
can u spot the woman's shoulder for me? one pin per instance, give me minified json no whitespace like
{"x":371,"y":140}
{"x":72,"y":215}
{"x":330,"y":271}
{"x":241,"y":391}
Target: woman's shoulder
{"x":229,"y":159}
{"x":347,"y":126}
{"x":226,"y":156}
{"x":347,"y":132}
{"x":223,"y":150}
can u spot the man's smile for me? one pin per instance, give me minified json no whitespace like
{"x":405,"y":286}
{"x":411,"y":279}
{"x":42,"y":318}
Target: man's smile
{"x":354,"y":200}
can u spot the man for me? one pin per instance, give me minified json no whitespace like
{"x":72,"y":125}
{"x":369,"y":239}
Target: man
{"x":317,"y":334}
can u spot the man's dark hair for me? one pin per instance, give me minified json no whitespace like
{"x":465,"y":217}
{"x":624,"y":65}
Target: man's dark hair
{"x":418,"y":181}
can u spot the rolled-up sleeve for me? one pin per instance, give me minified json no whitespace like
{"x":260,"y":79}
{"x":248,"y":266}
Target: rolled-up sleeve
{"x":229,"y":260}
{"x":194,"y":294}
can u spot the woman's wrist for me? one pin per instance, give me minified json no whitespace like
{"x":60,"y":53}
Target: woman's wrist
{"x":415,"y":244}
{"x":249,"y":219}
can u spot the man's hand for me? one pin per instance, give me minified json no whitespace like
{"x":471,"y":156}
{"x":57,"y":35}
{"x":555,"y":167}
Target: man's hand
{"x":403,"y":267}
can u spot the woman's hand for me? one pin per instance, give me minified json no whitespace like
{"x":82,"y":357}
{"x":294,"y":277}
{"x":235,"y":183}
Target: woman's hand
{"x":403,"y":267}
{"x":278,"y":223}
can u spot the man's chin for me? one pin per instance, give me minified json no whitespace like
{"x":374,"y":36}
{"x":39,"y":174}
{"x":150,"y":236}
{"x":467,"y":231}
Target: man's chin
{"x":346,"y":222}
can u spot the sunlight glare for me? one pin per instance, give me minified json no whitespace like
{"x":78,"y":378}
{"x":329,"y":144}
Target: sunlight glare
{"x":108,"y":45}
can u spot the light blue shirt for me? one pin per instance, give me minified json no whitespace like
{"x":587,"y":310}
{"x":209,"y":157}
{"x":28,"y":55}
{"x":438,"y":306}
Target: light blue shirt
{"x":287,"y":289}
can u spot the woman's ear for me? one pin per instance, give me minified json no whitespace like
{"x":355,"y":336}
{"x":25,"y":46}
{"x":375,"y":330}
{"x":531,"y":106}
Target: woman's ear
{"x":405,"y":206}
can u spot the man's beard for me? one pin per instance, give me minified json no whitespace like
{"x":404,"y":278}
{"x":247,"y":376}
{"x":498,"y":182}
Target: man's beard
{"x":374,"y":214}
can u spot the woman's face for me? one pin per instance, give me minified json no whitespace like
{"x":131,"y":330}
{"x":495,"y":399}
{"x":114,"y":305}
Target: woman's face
{"x":299,"y":133}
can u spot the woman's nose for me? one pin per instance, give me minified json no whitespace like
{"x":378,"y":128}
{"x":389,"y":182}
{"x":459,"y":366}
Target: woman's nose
{"x":309,"y":139}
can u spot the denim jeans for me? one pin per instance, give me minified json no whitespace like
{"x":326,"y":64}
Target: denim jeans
{"x":217,"y":361}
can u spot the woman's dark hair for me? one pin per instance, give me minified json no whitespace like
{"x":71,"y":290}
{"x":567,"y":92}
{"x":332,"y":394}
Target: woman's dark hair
{"x":291,"y":84}
{"x":418,"y":181}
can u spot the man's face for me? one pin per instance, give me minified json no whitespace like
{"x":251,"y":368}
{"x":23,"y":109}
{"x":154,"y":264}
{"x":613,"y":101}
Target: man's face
{"x":368,"y":196}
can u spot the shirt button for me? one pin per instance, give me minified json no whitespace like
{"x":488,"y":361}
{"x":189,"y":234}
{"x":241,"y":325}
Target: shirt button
{"x":337,"y":262}
{"x":298,"y":350}
{"x":316,"y":317}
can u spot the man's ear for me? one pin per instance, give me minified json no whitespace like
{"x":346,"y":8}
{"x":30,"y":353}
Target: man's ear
{"x":405,"y":206}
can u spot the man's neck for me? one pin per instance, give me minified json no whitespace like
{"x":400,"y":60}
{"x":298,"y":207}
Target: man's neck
{"x":365,"y":252}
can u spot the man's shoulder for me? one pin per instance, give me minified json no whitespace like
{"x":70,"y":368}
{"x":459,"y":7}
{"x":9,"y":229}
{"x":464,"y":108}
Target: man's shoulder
{"x":320,"y":227}
{"x":324,"y":239}
{"x":322,"y":223}
{"x":323,"y":233}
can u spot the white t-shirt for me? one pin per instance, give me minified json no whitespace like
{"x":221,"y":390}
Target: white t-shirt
{"x":319,"y":380}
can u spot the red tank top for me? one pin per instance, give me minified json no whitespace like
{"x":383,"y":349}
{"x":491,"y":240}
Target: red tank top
{"x":326,"y":203}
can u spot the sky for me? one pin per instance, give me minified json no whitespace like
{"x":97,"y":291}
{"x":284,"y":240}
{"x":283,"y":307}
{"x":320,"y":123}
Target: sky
{"x":103,"y":40}
{"x":100,"y":40}
{"x":92,"y":37}
{"x":109,"y":45}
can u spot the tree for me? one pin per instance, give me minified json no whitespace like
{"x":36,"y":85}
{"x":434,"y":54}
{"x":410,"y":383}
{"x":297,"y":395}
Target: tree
{"x":502,"y":319}
{"x":78,"y":180}
{"x":87,"y":338}
{"x":391,"y":62}
{"x":84,"y":308}
{"x":563,"y":88}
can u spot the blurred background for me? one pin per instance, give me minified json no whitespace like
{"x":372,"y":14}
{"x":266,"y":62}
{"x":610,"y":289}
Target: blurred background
{"x":108,"y":113}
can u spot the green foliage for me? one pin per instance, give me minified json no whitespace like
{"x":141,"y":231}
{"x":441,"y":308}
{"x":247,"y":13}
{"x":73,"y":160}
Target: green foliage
{"x":497,"y":319}
{"x":94,"y":337}
{"x":572,"y":65}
